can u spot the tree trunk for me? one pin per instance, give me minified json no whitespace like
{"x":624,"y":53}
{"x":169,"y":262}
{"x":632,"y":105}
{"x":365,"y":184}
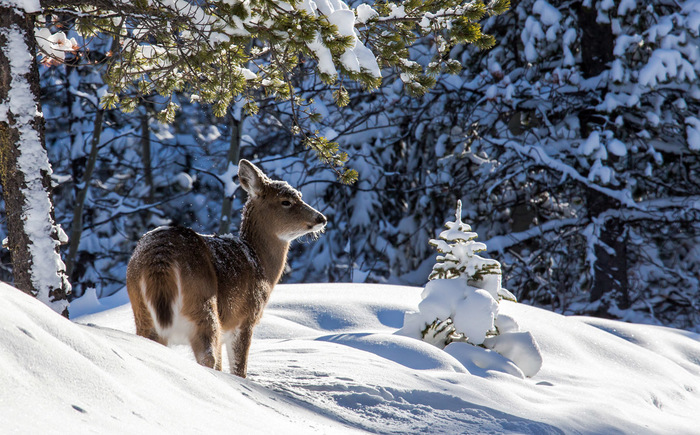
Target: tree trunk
{"x":610,"y":280}
{"x":610,"y":268}
{"x":77,"y":226}
{"x":232,"y":157}
{"x":597,"y":42}
{"x":25,"y":173}
{"x":146,"y":153}
{"x":81,"y":194}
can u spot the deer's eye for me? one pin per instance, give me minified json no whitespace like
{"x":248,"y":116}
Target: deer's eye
{"x":286,"y":204}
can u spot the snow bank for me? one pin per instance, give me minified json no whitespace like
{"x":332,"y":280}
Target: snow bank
{"x":325,"y":359}
{"x":60,"y":377}
{"x":517,"y":346}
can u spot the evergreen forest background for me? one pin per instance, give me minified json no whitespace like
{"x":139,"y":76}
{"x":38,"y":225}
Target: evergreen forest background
{"x":573,"y":145}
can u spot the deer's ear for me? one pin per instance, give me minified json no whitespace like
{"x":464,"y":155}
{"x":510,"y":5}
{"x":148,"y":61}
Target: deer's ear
{"x":251,"y":178}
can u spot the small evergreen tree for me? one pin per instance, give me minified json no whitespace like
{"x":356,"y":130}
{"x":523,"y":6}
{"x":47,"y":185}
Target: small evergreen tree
{"x":461,"y":305}
{"x":459,"y":259}
{"x":460,"y":302}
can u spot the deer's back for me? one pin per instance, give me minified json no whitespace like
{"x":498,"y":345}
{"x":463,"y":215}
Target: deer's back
{"x":243,"y":290}
{"x":164,"y":249}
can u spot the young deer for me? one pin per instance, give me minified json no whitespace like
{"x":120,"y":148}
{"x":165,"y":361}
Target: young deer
{"x":209,"y":290}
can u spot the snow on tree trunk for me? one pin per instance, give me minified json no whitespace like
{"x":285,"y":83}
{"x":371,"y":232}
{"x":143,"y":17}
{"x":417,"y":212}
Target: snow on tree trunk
{"x":33,"y":237}
{"x":609,"y":262}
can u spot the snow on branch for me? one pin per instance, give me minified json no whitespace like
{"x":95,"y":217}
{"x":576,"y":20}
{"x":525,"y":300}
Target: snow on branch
{"x":501,"y":243}
{"x":672,"y":209}
{"x":540,"y":156}
{"x":223,"y":51}
{"x":661,"y":209}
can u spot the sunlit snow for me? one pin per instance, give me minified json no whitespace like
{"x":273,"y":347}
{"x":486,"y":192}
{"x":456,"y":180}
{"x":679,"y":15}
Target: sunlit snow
{"x":325,"y":359}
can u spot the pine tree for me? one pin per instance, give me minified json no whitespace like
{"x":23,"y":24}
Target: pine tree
{"x":220,"y":52}
{"x":460,"y":302}
{"x":460,"y":305}
{"x":459,"y":259}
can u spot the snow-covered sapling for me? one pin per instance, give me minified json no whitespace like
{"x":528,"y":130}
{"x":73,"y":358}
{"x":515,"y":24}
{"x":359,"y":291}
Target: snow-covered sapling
{"x":461,"y":301}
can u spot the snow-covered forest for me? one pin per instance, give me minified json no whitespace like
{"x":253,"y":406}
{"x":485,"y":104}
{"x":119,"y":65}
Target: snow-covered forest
{"x":512,"y":195}
{"x":572,"y":143}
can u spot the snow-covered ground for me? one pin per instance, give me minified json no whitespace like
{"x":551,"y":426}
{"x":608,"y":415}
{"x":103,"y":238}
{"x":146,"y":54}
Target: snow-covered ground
{"x":325,"y":359}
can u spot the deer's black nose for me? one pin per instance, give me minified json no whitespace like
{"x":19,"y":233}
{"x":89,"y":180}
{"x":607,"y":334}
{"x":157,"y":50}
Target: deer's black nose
{"x":321,"y":219}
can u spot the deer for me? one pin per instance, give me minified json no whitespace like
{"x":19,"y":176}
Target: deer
{"x":210,"y":290}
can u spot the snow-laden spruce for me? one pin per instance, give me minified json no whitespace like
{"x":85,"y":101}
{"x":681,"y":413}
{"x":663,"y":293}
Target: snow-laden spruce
{"x":459,"y":309}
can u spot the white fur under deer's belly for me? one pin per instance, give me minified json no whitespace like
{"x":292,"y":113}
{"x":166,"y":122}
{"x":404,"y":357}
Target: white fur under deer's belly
{"x":181,"y":328}
{"x":228,"y":337}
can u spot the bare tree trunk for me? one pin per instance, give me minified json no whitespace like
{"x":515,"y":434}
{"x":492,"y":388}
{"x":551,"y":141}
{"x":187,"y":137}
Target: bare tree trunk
{"x":610,"y":276}
{"x":232,"y":157}
{"x":25,"y":173}
{"x":77,"y":226}
{"x":597,"y":42}
{"x":146,"y":153}
{"x":610,"y":268}
{"x":81,"y":196}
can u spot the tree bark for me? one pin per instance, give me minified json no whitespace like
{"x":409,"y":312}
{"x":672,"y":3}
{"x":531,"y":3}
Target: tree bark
{"x":25,"y":173}
{"x":146,"y":153}
{"x":233,"y":155}
{"x":597,"y":42}
{"x":77,"y":225}
{"x":610,"y":268}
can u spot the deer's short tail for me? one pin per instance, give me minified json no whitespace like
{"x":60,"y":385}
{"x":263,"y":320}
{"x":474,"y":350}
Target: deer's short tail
{"x":160,"y":290}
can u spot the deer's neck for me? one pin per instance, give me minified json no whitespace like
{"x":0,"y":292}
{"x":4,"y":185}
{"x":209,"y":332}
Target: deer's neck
{"x":270,"y":250}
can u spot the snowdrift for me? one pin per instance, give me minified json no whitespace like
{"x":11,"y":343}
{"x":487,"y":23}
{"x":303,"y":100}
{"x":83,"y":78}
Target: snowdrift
{"x":325,"y":359}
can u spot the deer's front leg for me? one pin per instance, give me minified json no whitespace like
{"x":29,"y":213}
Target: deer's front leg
{"x":238,"y":349}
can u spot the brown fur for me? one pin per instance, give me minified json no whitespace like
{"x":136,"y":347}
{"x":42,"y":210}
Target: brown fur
{"x":224,"y":282}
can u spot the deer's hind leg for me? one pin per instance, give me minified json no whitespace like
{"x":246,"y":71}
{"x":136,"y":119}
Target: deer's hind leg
{"x":142,"y":316}
{"x":239,"y":348}
{"x":201,"y":309}
{"x":206,"y":338}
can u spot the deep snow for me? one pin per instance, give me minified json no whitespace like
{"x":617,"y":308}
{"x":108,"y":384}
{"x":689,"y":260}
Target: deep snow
{"x":325,"y":359}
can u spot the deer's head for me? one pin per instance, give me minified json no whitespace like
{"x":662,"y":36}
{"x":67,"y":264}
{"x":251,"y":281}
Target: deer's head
{"x":277,"y":206}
